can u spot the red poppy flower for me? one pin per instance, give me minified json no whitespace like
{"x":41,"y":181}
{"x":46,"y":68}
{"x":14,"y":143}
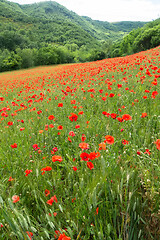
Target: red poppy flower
{"x":10,"y":123}
{"x":111,"y":95}
{"x":69,"y":139}
{"x":28,"y":172}
{"x":80,"y":113}
{"x":83,"y":138}
{"x":60,"y":104}
{"x":158,"y":144}
{"x":144,"y":115}
{"x":98,"y":154}
{"x":63,"y":237}
{"x":119,"y":85}
{"x":30,"y":235}
{"x":73,"y":117}
{"x":75,"y":169}
{"x":154,"y":93}
{"x":126,"y":117}
{"x":92,"y":155}
{"x":106,"y":114}
{"x":47,"y":192}
{"x":51,"y":117}
{"x":113,"y":115}
{"x":15,"y":198}
{"x":147,"y":152}
{"x":84,"y":156}
{"x":52,"y":200}
{"x":51,"y":126}
{"x":73,"y":200}
{"x":73,"y":101}
{"x":102,"y":146}
{"x":84,"y":145}
{"x":57,"y":158}
{"x":103,"y":98}
{"x":39,"y":112}
{"x":120,"y":119}
{"x":10,"y":179}
{"x":97,"y":210}
{"x":46,"y":169}
{"x":55,"y":149}
{"x":90,"y":165}
{"x":60,"y":127}
{"x":109,"y":139}
{"x":57,"y":233}
{"x":71,"y":133}
{"x":138,"y":152}
{"x":14,"y":145}
{"x":35,"y":146}
{"x":124,"y":142}
{"x":145,"y":97}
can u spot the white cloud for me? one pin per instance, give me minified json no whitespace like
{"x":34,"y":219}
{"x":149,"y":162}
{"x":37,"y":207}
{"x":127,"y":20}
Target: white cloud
{"x":111,"y":10}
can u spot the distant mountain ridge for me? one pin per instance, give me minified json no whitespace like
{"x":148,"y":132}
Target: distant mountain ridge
{"x":101,"y":30}
{"x":57,"y":16}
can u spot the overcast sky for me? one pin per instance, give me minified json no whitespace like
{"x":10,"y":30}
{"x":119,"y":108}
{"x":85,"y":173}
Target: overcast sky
{"x":110,"y":10}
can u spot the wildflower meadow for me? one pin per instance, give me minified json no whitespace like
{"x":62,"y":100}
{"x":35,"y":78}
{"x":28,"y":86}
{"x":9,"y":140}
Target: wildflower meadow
{"x":80,"y":150}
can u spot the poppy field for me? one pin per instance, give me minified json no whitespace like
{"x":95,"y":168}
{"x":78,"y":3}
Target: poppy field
{"x":80,"y":150}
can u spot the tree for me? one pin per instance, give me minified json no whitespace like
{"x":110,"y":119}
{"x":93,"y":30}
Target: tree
{"x":27,"y":56}
{"x":11,"y":62}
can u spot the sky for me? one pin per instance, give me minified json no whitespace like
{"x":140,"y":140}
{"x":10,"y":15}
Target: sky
{"x":110,"y":10}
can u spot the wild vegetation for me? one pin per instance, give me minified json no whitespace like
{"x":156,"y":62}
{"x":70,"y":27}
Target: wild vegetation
{"x":34,"y":32}
{"x":138,"y":40}
{"x":80,"y":150}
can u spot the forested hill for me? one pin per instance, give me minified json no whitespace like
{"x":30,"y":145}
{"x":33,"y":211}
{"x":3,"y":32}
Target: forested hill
{"x":53,"y":22}
{"x":48,"y":33}
{"x":138,"y":40}
{"x":100,"y":30}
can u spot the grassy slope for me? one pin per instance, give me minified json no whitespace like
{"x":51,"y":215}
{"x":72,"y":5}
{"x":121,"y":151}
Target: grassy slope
{"x":119,"y":197}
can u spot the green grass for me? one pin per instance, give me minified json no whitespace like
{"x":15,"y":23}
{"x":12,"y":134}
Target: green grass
{"x":119,"y":197}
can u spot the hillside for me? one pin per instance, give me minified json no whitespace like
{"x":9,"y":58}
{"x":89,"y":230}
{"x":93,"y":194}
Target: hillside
{"x":13,"y":12}
{"x":47,"y":33}
{"x":138,"y":40}
{"x":54,"y":23}
{"x":100,"y":30}
{"x":36,"y":30}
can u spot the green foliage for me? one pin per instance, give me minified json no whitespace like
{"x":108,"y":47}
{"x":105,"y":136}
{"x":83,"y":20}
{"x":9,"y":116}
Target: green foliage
{"x":47,"y":33}
{"x":127,"y":26}
{"x":28,"y":57}
{"x":100,"y":30}
{"x":10,"y":40}
{"x":9,"y":61}
{"x":149,"y":38}
{"x":138,"y":40}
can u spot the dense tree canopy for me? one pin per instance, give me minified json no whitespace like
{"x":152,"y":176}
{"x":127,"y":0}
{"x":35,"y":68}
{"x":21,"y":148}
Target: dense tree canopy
{"x":138,"y":40}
